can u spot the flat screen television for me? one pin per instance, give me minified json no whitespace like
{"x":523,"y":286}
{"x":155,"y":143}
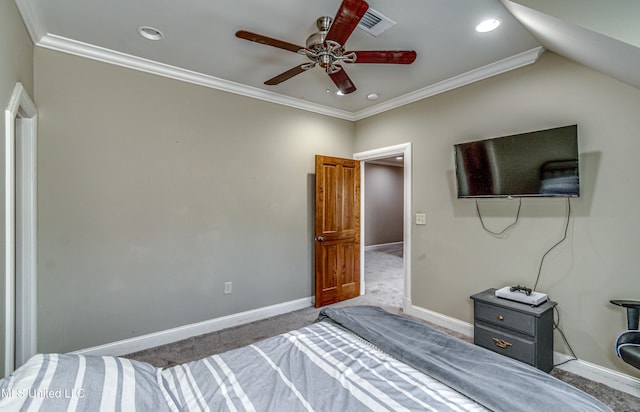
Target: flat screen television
{"x":543,"y":163}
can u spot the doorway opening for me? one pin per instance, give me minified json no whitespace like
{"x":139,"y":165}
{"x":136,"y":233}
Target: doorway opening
{"x":21,"y":119}
{"x":376,"y":157}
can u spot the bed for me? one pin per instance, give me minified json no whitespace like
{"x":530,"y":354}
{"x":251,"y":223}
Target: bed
{"x":352,"y":359}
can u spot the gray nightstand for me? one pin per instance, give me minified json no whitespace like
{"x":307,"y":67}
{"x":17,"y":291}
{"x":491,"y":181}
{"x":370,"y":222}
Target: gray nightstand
{"x":514,"y":329}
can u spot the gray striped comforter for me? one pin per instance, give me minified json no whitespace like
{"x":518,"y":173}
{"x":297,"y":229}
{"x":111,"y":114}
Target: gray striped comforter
{"x":57,"y":382}
{"x":317,"y":368}
{"x":322,"y":367}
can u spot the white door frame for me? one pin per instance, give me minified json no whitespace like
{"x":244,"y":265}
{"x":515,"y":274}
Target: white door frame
{"x":21,"y":122}
{"x":397,"y":150}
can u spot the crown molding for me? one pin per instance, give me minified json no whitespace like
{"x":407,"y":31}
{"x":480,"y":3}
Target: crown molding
{"x":62,"y":44}
{"x":481,"y":73}
{"x":31,"y":20}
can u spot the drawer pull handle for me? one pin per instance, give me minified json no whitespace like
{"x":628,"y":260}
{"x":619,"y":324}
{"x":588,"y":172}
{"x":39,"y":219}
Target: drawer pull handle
{"x":501,"y":343}
{"x":500,"y":317}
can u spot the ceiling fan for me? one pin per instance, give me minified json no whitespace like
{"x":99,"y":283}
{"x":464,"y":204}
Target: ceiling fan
{"x":326,"y":47}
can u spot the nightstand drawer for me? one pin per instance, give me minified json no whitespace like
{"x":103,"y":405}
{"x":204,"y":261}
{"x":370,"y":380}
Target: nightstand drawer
{"x":517,"y":321}
{"x":505,"y":343}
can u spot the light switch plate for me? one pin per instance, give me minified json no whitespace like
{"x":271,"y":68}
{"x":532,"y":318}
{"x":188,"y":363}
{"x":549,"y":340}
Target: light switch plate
{"x":421,"y":219}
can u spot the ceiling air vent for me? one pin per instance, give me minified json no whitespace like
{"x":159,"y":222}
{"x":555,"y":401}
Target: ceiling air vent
{"x":375,"y":23}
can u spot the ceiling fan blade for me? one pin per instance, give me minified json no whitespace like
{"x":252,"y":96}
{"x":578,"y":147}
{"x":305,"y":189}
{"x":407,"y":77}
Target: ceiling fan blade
{"x":342,"y":81}
{"x":258,"y":38}
{"x":346,"y":20}
{"x":385,"y":56}
{"x":286,"y":75}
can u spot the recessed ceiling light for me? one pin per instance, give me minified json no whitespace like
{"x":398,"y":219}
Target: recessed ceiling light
{"x":488,"y":25}
{"x":339,"y":93}
{"x":373,"y":96}
{"x":150,"y":33}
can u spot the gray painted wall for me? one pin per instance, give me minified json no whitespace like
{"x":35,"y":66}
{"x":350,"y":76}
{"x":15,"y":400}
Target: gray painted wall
{"x":384,"y":190}
{"x":154,"y":192}
{"x":453,"y":257}
{"x":16,"y":57}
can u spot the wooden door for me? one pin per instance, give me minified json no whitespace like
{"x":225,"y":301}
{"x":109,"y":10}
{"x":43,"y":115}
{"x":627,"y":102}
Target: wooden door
{"x":337,"y":237}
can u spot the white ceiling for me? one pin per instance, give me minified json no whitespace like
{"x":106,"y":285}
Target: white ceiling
{"x":199,"y":45}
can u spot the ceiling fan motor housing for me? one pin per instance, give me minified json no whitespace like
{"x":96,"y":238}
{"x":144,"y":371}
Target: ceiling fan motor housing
{"x":316,"y":40}
{"x":324,"y":53}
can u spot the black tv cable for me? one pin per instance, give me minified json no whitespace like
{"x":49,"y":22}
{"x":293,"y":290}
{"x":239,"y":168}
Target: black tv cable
{"x":499,"y":234}
{"x":556,"y":325}
{"x":566,"y":229}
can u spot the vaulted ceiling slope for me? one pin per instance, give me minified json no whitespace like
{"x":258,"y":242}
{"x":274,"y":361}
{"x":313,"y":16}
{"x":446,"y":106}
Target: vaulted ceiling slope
{"x":602,"y":35}
{"x":198,"y":44}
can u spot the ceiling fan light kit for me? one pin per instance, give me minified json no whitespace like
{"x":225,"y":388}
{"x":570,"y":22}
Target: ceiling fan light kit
{"x":326,"y":47}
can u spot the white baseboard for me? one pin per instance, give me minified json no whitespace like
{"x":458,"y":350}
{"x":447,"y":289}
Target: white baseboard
{"x":616,"y":380}
{"x":382,"y":245}
{"x":620,"y":381}
{"x":440,"y":319}
{"x":164,"y":337}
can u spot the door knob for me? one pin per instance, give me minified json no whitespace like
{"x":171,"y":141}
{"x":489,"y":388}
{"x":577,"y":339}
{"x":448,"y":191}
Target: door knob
{"x":320,"y":238}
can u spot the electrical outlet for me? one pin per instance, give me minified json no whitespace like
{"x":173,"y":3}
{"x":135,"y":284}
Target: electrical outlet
{"x":421,"y":219}
{"x":228,"y":287}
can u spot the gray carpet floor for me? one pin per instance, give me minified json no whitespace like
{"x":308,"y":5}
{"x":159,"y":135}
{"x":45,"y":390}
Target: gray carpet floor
{"x":384,"y":278}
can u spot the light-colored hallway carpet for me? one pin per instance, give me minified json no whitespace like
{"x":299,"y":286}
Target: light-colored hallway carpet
{"x":384,"y":286}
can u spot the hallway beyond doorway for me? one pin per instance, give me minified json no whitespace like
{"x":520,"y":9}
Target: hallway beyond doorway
{"x":384,"y":274}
